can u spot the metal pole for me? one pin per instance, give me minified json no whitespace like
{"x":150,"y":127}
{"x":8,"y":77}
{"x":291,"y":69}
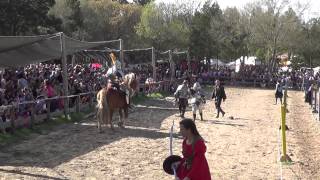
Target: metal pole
{"x":154,"y":68}
{"x":121,"y":53}
{"x":172,"y":66}
{"x":64,"y":73}
{"x":319,"y":104}
{"x":188,"y":60}
{"x":283,"y":130}
{"x":73,"y":60}
{"x":316,"y":99}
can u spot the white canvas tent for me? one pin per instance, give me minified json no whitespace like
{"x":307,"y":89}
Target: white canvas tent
{"x":252,"y":60}
{"x":231,"y":65}
{"x":215,"y":62}
{"x":316,"y":70}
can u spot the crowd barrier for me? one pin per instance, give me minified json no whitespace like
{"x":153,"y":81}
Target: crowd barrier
{"x":27,"y":114}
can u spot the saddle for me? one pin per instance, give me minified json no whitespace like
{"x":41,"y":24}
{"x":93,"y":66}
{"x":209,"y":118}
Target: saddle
{"x":120,"y":88}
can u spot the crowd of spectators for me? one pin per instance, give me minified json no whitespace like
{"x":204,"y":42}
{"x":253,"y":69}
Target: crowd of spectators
{"x":38,"y":81}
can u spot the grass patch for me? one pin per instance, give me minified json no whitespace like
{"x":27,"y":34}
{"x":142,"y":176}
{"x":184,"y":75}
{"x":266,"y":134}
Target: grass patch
{"x":208,"y":87}
{"x":40,"y":129}
{"x":142,"y":97}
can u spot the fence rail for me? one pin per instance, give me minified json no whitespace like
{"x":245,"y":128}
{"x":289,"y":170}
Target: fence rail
{"x":29,"y":113}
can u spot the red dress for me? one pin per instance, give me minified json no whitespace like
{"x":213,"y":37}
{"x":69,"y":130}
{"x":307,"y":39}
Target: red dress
{"x":199,"y":169}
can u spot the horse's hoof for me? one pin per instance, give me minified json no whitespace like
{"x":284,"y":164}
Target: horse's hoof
{"x":112,"y":128}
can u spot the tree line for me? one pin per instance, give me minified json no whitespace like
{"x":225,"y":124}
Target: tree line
{"x":265,"y":28}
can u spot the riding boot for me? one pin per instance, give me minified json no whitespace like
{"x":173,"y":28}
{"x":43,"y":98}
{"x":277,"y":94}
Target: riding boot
{"x":201,"y":117}
{"x":194,"y":117}
{"x":218,"y":114}
{"x":182,"y":115}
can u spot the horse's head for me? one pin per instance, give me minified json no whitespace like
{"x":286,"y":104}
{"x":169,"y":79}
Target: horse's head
{"x":131,"y":82}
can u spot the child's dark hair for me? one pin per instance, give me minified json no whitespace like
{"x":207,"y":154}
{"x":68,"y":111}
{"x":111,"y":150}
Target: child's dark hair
{"x":189,"y":124}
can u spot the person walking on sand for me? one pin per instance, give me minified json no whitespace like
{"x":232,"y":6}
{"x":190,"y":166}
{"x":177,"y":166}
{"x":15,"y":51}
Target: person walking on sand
{"x":182,"y":93}
{"x":219,"y":94}
{"x":279,"y":91}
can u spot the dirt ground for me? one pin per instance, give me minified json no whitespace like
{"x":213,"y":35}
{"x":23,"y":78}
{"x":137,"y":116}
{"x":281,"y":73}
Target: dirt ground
{"x":245,"y":147}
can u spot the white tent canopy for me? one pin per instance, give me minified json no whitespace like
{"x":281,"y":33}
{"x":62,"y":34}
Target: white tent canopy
{"x":251,"y":60}
{"x":214,"y":62}
{"x":316,"y":70}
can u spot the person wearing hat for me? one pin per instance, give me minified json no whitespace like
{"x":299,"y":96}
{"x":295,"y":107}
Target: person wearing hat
{"x":219,"y":94}
{"x":116,"y":69}
{"x":279,"y":91}
{"x":193,"y":165}
{"x":182,"y":94}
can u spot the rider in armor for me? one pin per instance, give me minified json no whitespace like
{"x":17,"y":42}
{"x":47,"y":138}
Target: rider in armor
{"x":116,"y":68}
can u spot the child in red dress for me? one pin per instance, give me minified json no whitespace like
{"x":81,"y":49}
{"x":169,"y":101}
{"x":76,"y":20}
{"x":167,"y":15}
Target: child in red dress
{"x":194,"y":165}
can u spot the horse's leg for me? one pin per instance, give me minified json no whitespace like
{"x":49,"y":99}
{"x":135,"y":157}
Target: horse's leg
{"x":120,"y":124}
{"x":125,"y":110}
{"x":110,"y":118}
{"x":99,"y":117}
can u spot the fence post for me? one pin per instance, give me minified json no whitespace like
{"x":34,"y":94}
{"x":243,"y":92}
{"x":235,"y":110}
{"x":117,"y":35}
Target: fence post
{"x":315,"y":101}
{"x":12,"y":118}
{"x":32,"y":115}
{"x":319,"y":105}
{"x":91,"y":99}
{"x":66,"y":103}
{"x":48,"y":102}
{"x":78,"y":104}
{"x":3,"y":130}
{"x":284,"y":157}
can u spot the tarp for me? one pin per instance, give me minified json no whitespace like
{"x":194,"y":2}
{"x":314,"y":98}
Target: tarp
{"x":24,"y":50}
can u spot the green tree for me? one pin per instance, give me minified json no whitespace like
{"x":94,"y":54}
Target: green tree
{"x":162,"y":27}
{"x":27,"y":17}
{"x":310,"y":46}
{"x":69,"y":11}
{"x":206,"y":32}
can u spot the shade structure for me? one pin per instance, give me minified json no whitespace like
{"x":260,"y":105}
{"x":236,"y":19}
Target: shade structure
{"x":23,"y":50}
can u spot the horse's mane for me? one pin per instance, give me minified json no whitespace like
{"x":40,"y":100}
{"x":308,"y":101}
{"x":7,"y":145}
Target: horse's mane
{"x":129,"y":79}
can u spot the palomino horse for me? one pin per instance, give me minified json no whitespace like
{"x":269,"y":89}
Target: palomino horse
{"x":117,"y":100}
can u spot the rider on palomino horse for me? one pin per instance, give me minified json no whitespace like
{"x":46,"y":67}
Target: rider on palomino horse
{"x":118,"y":92}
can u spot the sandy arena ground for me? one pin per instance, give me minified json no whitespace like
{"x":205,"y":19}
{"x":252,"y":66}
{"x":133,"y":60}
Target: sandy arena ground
{"x":246,"y":147}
